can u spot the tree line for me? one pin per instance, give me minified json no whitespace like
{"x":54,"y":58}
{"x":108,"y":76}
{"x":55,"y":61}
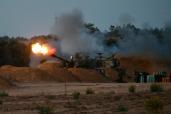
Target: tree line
{"x":16,"y":51}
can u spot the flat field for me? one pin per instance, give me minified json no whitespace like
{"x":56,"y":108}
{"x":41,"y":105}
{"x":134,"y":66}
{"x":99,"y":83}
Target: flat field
{"x":27,"y":98}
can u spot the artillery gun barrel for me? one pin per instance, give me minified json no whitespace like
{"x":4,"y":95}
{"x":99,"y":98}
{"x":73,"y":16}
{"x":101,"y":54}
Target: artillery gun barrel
{"x":60,"y":58}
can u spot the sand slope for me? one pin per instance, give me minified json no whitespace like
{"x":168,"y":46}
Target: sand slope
{"x":5,"y":83}
{"x":24,"y":74}
{"x":88,"y":75}
{"x":57,"y":73}
{"x":51,"y":72}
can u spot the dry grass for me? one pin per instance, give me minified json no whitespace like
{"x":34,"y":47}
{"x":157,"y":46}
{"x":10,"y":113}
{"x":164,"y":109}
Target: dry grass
{"x":100,"y":102}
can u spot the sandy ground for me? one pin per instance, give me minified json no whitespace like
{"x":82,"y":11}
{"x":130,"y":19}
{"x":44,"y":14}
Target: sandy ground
{"x":108,"y":96}
{"x":51,"y":88}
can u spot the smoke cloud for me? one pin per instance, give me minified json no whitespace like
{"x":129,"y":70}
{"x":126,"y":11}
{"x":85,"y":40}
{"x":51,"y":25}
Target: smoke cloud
{"x":74,"y":38}
{"x":144,"y":43}
{"x":73,"y":35}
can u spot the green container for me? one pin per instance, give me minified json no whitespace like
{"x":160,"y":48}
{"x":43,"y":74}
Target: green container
{"x":142,"y":79}
{"x":150,"y":78}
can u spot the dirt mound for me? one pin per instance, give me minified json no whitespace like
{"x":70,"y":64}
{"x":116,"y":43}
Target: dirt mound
{"x":51,"y":72}
{"x":136,"y":64}
{"x":112,"y":74}
{"x":144,"y":64}
{"x":24,"y":74}
{"x":58,"y":73}
{"x":88,"y":75}
{"x":5,"y":83}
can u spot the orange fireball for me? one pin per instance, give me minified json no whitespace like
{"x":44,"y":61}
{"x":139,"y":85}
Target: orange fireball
{"x":44,"y":49}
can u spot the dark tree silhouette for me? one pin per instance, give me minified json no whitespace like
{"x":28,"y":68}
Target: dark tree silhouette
{"x":13,"y":52}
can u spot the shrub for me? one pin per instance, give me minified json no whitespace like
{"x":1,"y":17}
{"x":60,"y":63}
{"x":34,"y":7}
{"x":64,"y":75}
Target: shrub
{"x":153,"y":105}
{"x":51,"y":97}
{"x":1,"y":102}
{"x":131,"y":89}
{"x":76,"y":95}
{"x":3,"y":94}
{"x":117,"y":97}
{"x":156,"y":88}
{"x":89,"y":91}
{"x":45,"y":110}
{"x":122,"y":108}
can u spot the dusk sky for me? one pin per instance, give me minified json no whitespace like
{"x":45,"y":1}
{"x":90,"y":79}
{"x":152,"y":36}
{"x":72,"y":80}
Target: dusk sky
{"x":35,"y":17}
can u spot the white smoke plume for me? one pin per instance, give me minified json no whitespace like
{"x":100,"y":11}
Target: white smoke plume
{"x":74,"y":38}
{"x":73,"y":35}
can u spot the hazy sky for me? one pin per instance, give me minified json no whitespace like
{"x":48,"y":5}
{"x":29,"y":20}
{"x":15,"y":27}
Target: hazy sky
{"x":34,"y":17}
